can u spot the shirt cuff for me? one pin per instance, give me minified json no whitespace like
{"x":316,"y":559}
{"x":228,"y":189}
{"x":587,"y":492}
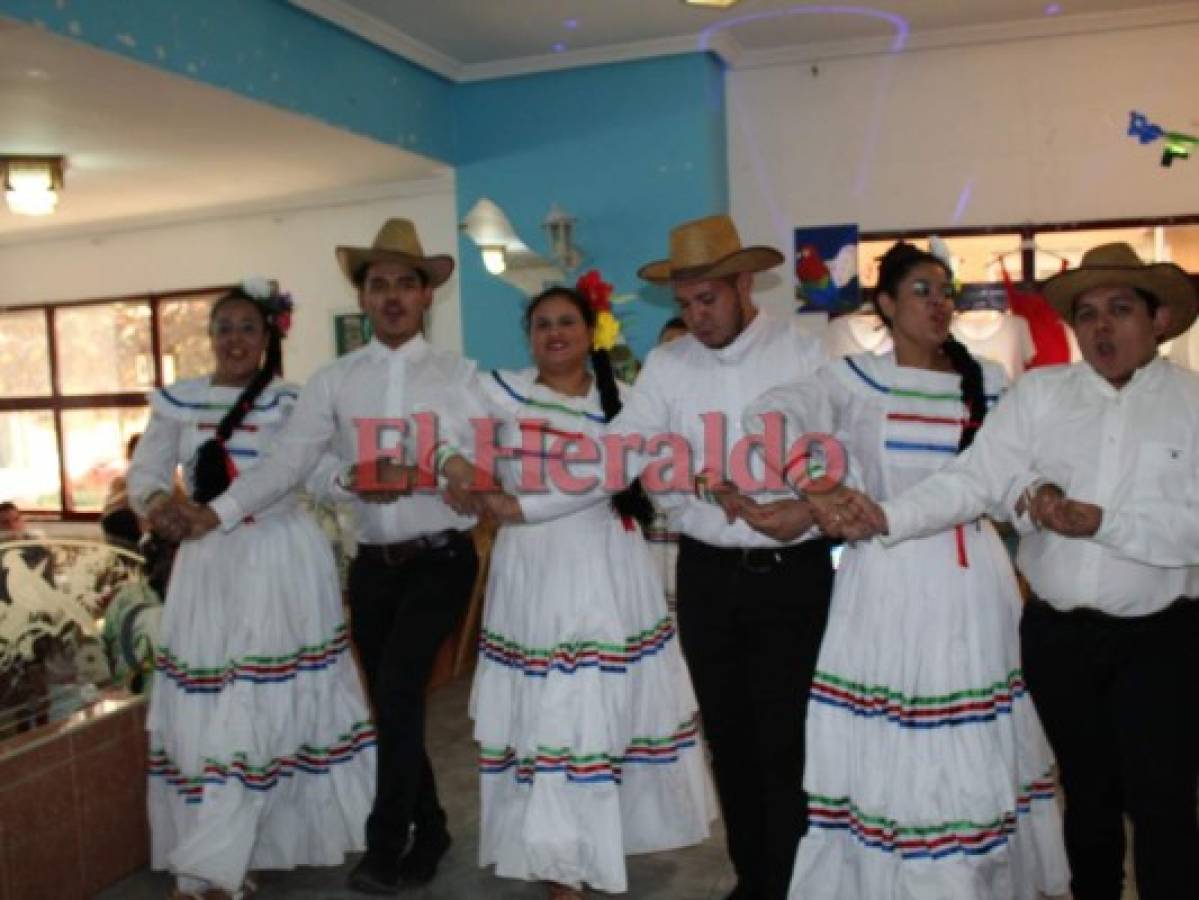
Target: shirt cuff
{"x":898,"y":526}
{"x":1021,"y":521}
{"x":1111,"y":528}
{"x":338,"y":492}
{"x":538,"y":507}
{"x":228,"y":510}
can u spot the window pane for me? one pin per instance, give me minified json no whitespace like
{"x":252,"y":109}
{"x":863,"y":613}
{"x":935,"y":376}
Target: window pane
{"x":29,"y":460}
{"x":975,"y":258}
{"x":183,"y":335}
{"x":1069,"y":246}
{"x":1182,"y":246}
{"x":24,"y":354}
{"x":94,"y":441}
{"x":104,"y":349}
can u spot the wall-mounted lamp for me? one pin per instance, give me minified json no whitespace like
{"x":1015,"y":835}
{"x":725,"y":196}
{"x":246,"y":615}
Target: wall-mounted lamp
{"x":506,"y":256}
{"x":32,"y":183}
{"x":560,"y":227}
{"x":490,"y":229}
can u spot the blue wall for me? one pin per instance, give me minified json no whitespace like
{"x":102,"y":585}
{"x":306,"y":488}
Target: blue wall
{"x":630,"y":149}
{"x":271,"y":51}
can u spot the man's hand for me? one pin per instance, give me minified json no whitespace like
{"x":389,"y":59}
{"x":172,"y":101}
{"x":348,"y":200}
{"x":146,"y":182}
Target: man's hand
{"x":783,"y":520}
{"x":465,"y":487}
{"x":167,"y":518}
{"x":504,"y":508}
{"x":730,"y":499}
{"x":392,"y":480}
{"x":1051,"y":509}
{"x":200,"y":520}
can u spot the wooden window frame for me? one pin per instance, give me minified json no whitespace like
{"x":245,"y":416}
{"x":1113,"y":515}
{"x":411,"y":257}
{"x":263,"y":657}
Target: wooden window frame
{"x":58,"y":403}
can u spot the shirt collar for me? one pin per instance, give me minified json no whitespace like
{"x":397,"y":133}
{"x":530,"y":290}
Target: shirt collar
{"x":1142,"y":379}
{"x":743,"y":343}
{"x":409,"y":351}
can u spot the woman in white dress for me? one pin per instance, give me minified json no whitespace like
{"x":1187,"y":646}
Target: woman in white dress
{"x":583,"y":709}
{"x":261,"y":745}
{"x":928,"y":775}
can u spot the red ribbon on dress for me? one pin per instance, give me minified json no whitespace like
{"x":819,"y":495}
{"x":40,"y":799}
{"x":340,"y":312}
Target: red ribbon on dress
{"x":960,"y":534}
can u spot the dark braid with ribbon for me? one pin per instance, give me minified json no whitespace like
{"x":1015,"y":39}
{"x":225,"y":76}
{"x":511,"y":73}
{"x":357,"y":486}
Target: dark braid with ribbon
{"x":214,"y":469}
{"x":894,"y":266}
{"x":632,"y":503}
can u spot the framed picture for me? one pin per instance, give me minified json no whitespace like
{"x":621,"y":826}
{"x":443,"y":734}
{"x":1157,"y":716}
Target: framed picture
{"x":826,"y":269}
{"x":351,"y":330}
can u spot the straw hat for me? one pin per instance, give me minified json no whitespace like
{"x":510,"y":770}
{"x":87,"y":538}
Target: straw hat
{"x":708,"y":248}
{"x":1117,"y":265}
{"x":396,"y":242}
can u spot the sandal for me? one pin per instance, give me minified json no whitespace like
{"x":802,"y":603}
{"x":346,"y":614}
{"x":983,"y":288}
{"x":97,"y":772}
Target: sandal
{"x":564,"y":891}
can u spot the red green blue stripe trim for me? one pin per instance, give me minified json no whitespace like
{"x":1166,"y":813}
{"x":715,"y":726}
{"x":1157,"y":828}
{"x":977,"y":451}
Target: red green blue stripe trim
{"x":570,"y":656}
{"x":307,"y":760}
{"x":903,"y":392}
{"x":590,"y":768}
{"x":186,"y":404}
{"x":541,"y":404}
{"x":926,"y":841}
{"x":983,"y":704}
{"x":254,"y":669}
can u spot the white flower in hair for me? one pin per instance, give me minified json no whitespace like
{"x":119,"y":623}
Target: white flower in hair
{"x":258,"y":288}
{"x":941,"y":251}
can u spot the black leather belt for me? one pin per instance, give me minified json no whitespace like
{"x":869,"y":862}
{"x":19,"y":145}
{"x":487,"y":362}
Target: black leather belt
{"x":758,"y":560}
{"x":405,"y":551}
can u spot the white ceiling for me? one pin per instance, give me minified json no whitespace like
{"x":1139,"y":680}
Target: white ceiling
{"x":469,"y":39}
{"x":142,"y":143}
{"x":145,"y":146}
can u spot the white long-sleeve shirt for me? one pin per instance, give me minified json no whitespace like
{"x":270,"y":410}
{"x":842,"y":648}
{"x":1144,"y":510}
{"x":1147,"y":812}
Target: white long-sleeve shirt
{"x":185,"y":415}
{"x":373,"y":382}
{"x":1133,"y":452}
{"x":683,"y":382}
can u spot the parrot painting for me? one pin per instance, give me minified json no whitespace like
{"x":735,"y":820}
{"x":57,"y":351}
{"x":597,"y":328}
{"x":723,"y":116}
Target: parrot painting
{"x":820,"y":282}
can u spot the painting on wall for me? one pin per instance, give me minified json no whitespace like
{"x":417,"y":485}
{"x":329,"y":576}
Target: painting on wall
{"x":350,"y":331}
{"x":826,"y":269}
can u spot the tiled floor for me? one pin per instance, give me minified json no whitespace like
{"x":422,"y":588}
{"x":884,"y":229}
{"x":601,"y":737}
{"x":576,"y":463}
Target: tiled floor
{"x":699,"y":873}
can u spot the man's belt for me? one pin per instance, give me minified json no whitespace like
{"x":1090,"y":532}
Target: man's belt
{"x":758,"y":560}
{"x":405,"y":551}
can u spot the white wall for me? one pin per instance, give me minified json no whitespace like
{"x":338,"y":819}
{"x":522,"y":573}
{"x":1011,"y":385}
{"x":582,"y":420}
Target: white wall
{"x":293,"y":246}
{"x":968,"y":136}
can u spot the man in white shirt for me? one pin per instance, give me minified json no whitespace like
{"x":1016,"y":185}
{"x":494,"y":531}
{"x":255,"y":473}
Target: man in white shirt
{"x":416,"y":563}
{"x":751,"y":609}
{"x":1107,"y":450}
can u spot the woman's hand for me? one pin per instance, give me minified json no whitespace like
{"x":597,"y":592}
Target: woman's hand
{"x":783,"y":520}
{"x":847,"y":514}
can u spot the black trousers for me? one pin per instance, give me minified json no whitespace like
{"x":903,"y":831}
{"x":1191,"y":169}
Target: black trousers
{"x":400,"y":615}
{"x":1117,"y":697}
{"x":750,"y":625}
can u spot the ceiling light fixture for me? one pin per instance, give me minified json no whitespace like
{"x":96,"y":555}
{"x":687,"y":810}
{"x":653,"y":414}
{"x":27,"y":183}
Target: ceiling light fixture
{"x":719,"y":4}
{"x":32,"y":183}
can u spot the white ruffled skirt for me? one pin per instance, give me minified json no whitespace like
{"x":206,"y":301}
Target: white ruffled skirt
{"x":583,"y":709}
{"x":927,"y":770}
{"x":261,"y":745}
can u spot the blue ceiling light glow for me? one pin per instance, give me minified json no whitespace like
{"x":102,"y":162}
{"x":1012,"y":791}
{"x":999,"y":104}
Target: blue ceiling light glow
{"x":963,"y":201}
{"x":570,"y":24}
{"x":559,"y":47}
{"x":897,"y":43}
{"x":1053,"y":9}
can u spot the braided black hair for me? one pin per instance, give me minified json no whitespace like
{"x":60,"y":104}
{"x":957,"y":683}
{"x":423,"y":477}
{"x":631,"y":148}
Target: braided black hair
{"x":632,"y":502}
{"x":212,"y":460}
{"x":894,"y":266}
